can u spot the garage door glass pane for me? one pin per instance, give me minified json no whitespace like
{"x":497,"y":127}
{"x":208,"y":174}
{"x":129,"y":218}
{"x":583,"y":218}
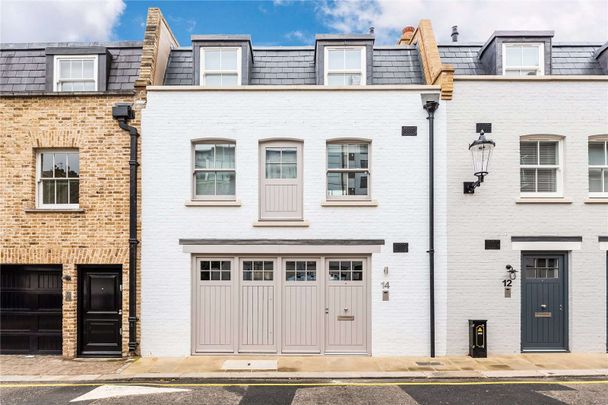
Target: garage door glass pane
{"x":258,"y":270}
{"x":215,"y":270}
{"x":346,"y":270}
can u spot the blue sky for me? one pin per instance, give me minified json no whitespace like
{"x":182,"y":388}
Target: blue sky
{"x":294,"y":22}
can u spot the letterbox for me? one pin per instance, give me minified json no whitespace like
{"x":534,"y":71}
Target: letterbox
{"x":478,"y":342}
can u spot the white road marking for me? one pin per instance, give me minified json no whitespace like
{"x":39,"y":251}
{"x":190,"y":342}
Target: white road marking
{"x":111,"y":391}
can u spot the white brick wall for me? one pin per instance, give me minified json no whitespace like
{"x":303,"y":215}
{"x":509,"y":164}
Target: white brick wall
{"x":399,"y":184}
{"x":575,"y":110}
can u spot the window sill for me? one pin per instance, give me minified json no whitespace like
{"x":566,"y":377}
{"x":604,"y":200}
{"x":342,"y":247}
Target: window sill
{"x":212,"y":203}
{"x":282,"y":224}
{"x":596,"y":200}
{"x":543,"y":200}
{"x":349,"y":203}
{"x":54,"y":210}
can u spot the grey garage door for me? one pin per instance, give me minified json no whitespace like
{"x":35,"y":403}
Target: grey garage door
{"x":31,"y":309}
{"x":544,"y":302}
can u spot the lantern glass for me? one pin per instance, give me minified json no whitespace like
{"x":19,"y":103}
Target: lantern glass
{"x":481,"y":150}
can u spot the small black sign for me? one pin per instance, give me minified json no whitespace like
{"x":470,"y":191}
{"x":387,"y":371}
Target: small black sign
{"x":492,"y":244}
{"x":400,"y":248}
{"x":409,"y":131}
{"x":486,"y":127}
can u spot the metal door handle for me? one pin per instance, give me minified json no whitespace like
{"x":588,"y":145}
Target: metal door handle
{"x":561,"y":307}
{"x":345,"y":309}
{"x":120,"y":312}
{"x":543,"y":306}
{"x":327,"y":310}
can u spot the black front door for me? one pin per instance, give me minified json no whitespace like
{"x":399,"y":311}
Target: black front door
{"x":544,"y":318}
{"x":100,"y":311}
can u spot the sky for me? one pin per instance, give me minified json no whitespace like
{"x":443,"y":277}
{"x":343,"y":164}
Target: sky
{"x":295,"y":22}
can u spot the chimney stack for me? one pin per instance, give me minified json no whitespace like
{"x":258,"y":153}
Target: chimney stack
{"x":407,"y":35}
{"x":455,"y":33}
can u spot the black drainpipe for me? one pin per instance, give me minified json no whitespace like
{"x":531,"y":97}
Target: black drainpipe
{"x":123,"y":112}
{"x":430,"y":107}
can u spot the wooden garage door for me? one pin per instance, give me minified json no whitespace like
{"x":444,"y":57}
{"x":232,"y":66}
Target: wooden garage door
{"x":31,"y":309}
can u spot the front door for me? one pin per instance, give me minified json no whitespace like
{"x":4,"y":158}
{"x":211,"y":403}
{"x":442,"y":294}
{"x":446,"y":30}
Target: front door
{"x":544,"y":322}
{"x":301,"y":310}
{"x":346,"y":307}
{"x":100,"y":311}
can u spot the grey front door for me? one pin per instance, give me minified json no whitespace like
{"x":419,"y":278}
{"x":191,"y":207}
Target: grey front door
{"x":544,"y":320}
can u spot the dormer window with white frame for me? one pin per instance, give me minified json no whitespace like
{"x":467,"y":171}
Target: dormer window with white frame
{"x":220,"y":66}
{"x":345,"y":66}
{"x":75,"y":73}
{"x":523,"y":59}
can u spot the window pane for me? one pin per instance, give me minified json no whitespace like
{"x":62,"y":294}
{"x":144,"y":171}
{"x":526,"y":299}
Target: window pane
{"x":225,"y":183}
{"x":336,"y":59}
{"x":528,"y":180}
{"x":226,"y":275}
{"x":62,"y":191}
{"x":224,"y":156}
{"x":290,"y":276}
{"x":205,"y":276}
{"x":48,"y":192}
{"x":229,"y":80}
{"x":88,"y":69}
{"x":258,"y":275}
{"x":528,"y":153}
{"x":605,"y":180}
{"x":74,"y":191}
{"x":273,"y":170}
{"x":337,"y":184}
{"x":204,"y":156}
{"x":89,"y":86}
{"x":247,"y":276}
{"x":512,"y":72}
{"x":352,"y":79}
{"x":547,"y":180}
{"x":359,"y":183}
{"x":212,"y":59}
{"x":73,"y":165}
{"x":530,"y":55}
{"x":229,"y":59}
{"x":548,"y":153}
{"x":289,"y":155}
{"x":215,"y":265}
{"x":64,"y":69}
{"x":60,"y":165}
{"x":597,"y":155}
{"x":525,"y":72}
{"x":337,"y":156}
{"x":352,"y":59}
{"x":247,"y":266}
{"x":513,"y":55}
{"x":290,"y":266}
{"x":273,"y":155}
{"x":595,"y":180}
{"x":47,"y":164}
{"x":213,"y":79}
{"x":336,"y":79}
{"x":205,"y":265}
{"x":76,"y":69}
{"x":289,"y":171}
{"x":205,"y":183}
{"x":357,"y":156}
{"x":66,"y":87}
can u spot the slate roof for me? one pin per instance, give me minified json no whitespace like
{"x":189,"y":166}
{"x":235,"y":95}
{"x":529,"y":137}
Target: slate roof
{"x":566,"y":59}
{"x":23,"y":66}
{"x":296,"y":66}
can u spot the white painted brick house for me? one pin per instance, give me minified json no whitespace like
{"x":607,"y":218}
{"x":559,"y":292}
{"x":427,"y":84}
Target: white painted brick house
{"x":270,"y":212}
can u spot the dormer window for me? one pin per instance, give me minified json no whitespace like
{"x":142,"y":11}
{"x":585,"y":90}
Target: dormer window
{"x":523,"y":59}
{"x":344,"y":66}
{"x":75,"y":73}
{"x":221,"y":66}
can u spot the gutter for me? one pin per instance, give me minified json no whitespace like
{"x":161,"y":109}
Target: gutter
{"x":123,"y":112}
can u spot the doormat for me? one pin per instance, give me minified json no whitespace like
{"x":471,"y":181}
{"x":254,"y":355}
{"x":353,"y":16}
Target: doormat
{"x":250,"y":365}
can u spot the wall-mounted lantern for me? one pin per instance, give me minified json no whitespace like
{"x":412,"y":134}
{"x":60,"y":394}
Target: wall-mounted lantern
{"x":481,"y":150}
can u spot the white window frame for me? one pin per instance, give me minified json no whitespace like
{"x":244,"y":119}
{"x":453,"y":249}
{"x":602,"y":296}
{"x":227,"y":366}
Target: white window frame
{"x":39,"y":197}
{"x":221,"y":71}
{"x":559,"y":175}
{"x":352,"y":141}
{"x":540,"y":69}
{"x":194,"y":170}
{"x":600,"y":140}
{"x":362,"y":70}
{"x":56,"y":69}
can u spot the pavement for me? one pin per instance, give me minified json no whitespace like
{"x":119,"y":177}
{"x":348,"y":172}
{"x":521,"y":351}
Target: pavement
{"x":300,"y":392}
{"x":14,"y":368}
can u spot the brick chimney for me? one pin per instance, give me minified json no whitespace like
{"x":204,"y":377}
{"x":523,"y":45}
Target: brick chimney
{"x":407,"y":35}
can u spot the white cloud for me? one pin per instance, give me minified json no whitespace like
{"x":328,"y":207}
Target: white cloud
{"x":572,"y":20}
{"x":58,"y":20}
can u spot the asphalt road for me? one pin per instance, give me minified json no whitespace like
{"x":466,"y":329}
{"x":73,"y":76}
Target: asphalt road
{"x":352,"y":392}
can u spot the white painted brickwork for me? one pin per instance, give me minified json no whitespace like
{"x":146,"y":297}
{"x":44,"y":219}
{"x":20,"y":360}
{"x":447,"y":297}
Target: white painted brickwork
{"x":399,"y":184}
{"x":575,"y":110}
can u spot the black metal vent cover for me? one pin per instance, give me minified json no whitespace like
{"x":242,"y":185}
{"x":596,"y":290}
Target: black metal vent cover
{"x":486,"y":127}
{"x":492,"y":244}
{"x":400,"y":248}
{"x":409,"y":131}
